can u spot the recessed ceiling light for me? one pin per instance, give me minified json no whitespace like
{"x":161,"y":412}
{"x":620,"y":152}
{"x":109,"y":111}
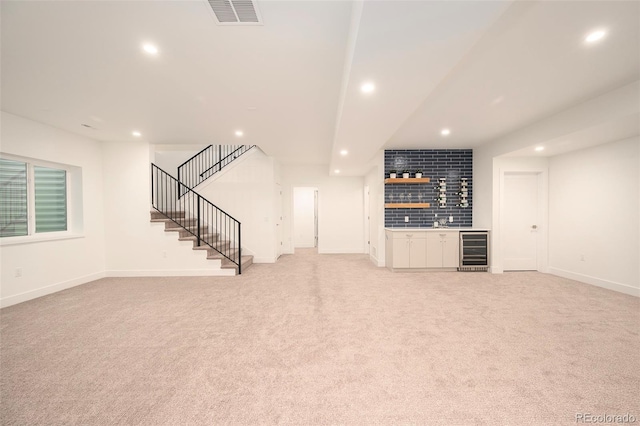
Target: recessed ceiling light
{"x":594,"y":36}
{"x":149,"y":48}
{"x":445,"y":132}
{"x":367,"y":87}
{"x":239,"y":133}
{"x":539,"y":148}
{"x":344,"y":152}
{"x":136,"y":133}
{"x":336,"y":171}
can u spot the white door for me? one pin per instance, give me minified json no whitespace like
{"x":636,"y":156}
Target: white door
{"x":304,"y":217}
{"x":520,"y":221}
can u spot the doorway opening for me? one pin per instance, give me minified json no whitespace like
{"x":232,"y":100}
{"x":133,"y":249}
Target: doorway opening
{"x":305,"y":217}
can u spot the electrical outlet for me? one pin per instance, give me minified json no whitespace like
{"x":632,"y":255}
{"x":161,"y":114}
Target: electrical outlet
{"x":582,"y":257}
{"x":18,"y":272}
{"x":406,"y":218}
{"x":164,"y":254}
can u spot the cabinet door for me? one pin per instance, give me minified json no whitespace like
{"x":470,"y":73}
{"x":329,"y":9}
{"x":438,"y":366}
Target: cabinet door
{"x":450,"y":250}
{"x":418,"y":255}
{"x":434,"y":250}
{"x":401,"y":252}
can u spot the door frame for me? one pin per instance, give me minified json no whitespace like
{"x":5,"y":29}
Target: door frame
{"x":542,"y":214}
{"x":316,"y":215}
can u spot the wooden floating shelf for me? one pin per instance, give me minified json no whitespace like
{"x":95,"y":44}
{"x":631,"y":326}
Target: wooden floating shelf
{"x":408,"y":180}
{"x":407,"y":205}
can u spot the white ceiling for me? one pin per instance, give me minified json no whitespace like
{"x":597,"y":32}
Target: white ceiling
{"x":483,"y":69}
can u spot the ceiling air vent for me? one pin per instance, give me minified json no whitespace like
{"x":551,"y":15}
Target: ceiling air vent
{"x":235,"y":12}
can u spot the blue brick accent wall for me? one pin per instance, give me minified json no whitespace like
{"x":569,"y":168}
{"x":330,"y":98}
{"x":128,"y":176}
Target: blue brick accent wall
{"x":434,"y":163}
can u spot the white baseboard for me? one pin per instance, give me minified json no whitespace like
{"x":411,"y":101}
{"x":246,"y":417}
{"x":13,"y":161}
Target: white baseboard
{"x":264,"y":259}
{"x":341,"y":251}
{"x":53,"y":288}
{"x":376,"y":261}
{"x":171,"y":273}
{"x":609,"y":285}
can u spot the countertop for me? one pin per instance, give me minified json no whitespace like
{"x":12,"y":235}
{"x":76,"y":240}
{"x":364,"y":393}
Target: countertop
{"x":431,"y":229}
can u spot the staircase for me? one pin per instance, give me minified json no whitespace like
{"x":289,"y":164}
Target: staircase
{"x":187,"y":234}
{"x":208,"y":162}
{"x":195,"y":218}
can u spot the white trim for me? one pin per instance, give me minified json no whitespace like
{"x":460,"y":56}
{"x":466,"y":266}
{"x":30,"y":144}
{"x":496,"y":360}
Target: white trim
{"x":263,"y":259}
{"x":39,"y":238}
{"x":598,"y":282}
{"x":170,"y":273}
{"x":341,"y":251}
{"x":376,"y":261}
{"x":53,"y":288}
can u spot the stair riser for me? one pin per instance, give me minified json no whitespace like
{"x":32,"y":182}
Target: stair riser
{"x":181,"y":224}
{"x":174,"y":215}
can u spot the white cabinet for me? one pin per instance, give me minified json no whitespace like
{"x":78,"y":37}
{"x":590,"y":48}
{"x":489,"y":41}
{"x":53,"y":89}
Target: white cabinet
{"x":442,"y":249}
{"x":406,"y":249}
{"x":422,"y":249}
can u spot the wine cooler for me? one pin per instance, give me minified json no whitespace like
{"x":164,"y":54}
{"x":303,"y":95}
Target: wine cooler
{"x":474,"y":251}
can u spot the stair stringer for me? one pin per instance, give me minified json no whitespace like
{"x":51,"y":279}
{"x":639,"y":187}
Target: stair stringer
{"x":211,"y":267}
{"x":246,"y":189}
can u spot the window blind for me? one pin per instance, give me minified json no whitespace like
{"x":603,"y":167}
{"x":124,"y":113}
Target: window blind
{"x":13,"y":198}
{"x":51,"y":199}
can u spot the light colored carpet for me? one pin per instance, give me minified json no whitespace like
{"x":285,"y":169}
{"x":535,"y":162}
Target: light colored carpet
{"x":322,"y":339}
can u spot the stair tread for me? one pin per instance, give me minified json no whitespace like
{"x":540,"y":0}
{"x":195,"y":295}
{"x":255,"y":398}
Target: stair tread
{"x":247,"y":260}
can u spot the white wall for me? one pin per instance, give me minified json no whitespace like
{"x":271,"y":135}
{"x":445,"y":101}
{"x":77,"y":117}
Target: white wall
{"x":134,"y":245}
{"x":246,"y":189}
{"x":607,"y":116}
{"x":598,"y":115}
{"x":594,"y":215}
{"x":50,"y":266}
{"x":169,"y":157}
{"x":340,"y":208}
{"x":304,"y":217}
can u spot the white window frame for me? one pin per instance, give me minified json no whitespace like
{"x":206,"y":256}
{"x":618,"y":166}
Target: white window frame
{"x":74,"y":226}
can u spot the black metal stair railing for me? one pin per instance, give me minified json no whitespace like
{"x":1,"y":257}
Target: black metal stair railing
{"x":199,"y":217}
{"x":208,"y":162}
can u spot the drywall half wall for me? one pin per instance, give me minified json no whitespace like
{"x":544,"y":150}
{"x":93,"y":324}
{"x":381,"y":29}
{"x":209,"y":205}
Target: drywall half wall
{"x":594,"y":215}
{"x":134,"y":245}
{"x":47,"y":266}
{"x":169,"y":157}
{"x":340,"y":208}
{"x":374,"y":181}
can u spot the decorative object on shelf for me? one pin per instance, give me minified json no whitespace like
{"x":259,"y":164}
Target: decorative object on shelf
{"x":463,"y":194}
{"x":418,"y":174}
{"x":407,"y":205}
{"x":409,"y":180}
{"x":441,"y":192}
{"x":393,"y":174}
{"x":406,"y":174}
